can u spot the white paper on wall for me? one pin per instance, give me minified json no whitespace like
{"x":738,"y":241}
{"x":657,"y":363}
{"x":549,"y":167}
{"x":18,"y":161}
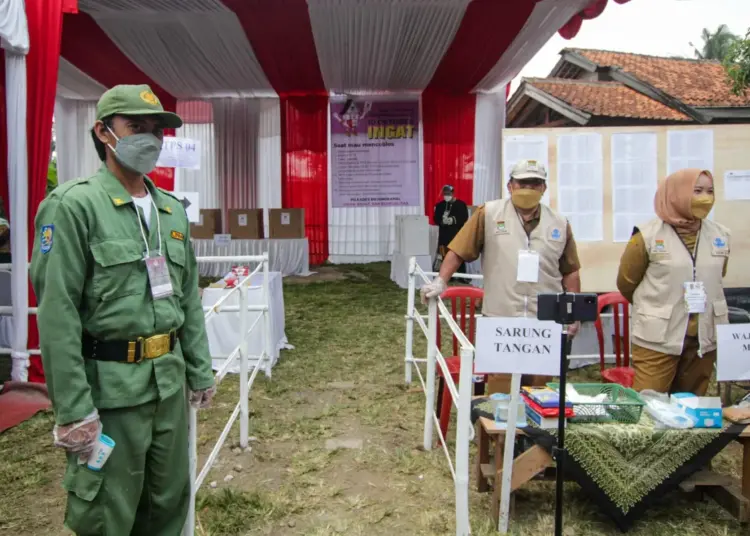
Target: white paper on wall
{"x":580,"y":191}
{"x":634,"y":181}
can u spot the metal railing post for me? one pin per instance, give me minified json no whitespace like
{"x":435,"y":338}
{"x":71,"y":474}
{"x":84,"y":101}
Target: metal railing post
{"x":429,"y":410}
{"x":410,"y":322}
{"x":267,"y":350}
{"x":244,"y":411}
{"x":189,"y":529}
{"x":463,"y":429}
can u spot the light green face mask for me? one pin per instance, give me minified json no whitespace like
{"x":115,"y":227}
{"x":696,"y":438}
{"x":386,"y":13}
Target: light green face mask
{"x":137,"y":152}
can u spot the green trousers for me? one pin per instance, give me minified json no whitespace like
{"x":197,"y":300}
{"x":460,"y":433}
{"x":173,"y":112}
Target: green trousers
{"x":144,"y":488}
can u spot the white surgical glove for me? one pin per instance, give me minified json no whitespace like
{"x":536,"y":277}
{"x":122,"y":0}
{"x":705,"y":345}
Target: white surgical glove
{"x":432,"y":290}
{"x":201,"y":399}
{"x":79,"y":437}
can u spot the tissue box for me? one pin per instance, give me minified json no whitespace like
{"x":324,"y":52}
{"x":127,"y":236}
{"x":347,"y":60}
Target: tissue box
{"x":704,"y":410}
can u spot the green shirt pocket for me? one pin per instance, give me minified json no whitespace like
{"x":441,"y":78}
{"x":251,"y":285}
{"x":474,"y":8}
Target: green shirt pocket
{"x":176,"y":258}
{"x":118,"y":268}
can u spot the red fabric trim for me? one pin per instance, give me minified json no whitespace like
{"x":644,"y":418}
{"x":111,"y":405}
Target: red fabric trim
{"x":282,"y":39}
{"x":486,"y":31}
{"x":448,"y":122}
{"x":70,"y":6}
{"x":44,"y":19}
{"x":304,"y":167}
{"x":163,"y":177}
{"x":3,"y":141}
{"x":82,"y":36}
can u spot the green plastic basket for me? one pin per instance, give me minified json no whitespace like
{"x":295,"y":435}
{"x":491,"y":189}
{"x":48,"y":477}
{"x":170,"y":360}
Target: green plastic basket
{"x":622,"y":405}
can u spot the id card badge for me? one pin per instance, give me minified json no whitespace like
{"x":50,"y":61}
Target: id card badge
{"x":528,"y":266}
{"x":158,"y":277}
{"x":695,"y":297}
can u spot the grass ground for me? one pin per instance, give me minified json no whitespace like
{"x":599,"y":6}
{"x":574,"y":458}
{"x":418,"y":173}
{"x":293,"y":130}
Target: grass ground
{"x":344,"y":381}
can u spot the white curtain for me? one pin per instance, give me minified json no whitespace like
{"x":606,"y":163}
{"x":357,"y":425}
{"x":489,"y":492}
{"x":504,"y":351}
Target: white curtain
{"x":76,"y":155}
{"x":15,"y":95}
{"x":14,"y":30}
{"x":204,"y":180}
{"x":72,"y":83}
{"x":546,"y":19}
{"x":192,"y":48}
{"x":366,"y":44}
{"x":269,"y":157}
{"x":488,"y":142}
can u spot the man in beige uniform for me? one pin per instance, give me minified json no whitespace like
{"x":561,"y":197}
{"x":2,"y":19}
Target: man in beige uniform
{"x":526,"y":249}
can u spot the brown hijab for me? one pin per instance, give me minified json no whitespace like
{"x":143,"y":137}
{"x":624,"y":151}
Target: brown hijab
{"x":673,"y":197}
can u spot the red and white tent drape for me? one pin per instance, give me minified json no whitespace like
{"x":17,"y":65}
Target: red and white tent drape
{"x":451,"y":54}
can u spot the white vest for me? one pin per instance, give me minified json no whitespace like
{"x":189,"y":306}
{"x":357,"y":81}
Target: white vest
{"x":504,"y":237}
{"x":660,"y":316}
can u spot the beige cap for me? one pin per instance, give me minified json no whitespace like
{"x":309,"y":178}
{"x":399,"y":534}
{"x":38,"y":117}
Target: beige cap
{"x":528,"y":169}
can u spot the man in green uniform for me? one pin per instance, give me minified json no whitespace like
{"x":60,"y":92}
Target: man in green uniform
{"x":121,"y":327}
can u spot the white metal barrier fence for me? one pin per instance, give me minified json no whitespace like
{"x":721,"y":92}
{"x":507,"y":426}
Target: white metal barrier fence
{"x":461,"y":396}
{"x":246,"y":378}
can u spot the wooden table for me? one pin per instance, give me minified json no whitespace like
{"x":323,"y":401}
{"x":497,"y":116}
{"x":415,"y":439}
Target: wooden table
{"x":730,"y":493}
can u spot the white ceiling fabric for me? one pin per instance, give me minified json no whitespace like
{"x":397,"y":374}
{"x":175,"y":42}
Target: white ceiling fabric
{"x":377,"y":44}
{"x":72,"y":83}
{"x":191,"y":48}
{"x":14,"y":30}
{"x":546,"y":19}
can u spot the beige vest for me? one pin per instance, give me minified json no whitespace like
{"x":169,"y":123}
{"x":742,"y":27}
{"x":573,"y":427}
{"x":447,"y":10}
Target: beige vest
{"x":660,"y":316}
{"x":504,"y":237}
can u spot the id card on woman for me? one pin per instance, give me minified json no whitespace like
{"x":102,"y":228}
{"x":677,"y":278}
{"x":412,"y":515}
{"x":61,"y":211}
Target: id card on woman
{"x":695,"y":297}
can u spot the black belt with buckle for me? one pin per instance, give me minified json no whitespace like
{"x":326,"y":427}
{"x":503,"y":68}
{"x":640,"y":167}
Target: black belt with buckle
{"x":128,"y":351}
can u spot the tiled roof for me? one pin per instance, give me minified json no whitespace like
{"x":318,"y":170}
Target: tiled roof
{"x":609,"y":99}
{"x":700,"y":83}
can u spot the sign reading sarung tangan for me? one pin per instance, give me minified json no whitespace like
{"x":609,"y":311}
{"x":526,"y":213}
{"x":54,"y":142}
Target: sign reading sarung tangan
{"x":517,"y":345}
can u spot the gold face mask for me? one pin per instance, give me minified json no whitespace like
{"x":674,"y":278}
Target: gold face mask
{"x":525,"y":198}
{"x":701,"y":205}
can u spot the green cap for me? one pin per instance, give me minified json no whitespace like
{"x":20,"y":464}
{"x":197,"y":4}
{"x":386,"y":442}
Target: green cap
{"x":134,"y":100}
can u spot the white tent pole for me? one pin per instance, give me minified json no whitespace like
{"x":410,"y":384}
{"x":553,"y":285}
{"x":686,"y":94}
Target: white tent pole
{"x":15,"y":84}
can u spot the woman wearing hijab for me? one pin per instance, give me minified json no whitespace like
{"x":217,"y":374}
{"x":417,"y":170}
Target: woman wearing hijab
{"x":672,"y":271}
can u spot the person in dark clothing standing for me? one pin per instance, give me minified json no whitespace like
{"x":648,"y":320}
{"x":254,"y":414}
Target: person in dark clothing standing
{"x":450,"y":215}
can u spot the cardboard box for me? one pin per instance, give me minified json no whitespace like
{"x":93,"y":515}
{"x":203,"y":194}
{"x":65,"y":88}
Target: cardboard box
{"x":704,"y":410}
{"x":208,"y":225}
{"x":286,"y":222}
{"x":246,"y":223}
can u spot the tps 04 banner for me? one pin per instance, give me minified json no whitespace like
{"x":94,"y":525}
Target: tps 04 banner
{"x":374,"y":153}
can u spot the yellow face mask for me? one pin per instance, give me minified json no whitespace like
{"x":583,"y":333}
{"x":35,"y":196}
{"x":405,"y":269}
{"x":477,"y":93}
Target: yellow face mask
{"x":701,"y":205}
{"x":525,"y":198}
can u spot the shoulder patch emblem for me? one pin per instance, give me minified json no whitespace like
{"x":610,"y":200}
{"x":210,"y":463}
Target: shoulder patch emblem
{"x":177,"y":235}
{"x":45,"y":238}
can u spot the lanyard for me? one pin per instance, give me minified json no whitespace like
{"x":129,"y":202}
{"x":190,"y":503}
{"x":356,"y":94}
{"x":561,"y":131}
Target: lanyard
{"x":143,"y":233}
{"x":523,"y":227}
{"x":693,"y":254}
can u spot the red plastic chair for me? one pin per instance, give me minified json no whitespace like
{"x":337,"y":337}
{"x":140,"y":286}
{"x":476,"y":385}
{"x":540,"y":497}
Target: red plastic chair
{"x":622,"y":373}
{"x":464,"y":302}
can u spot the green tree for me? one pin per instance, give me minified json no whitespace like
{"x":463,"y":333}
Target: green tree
{"x":737,"y":64}
{"x":716,"y":44}
{"x":51,"y":176}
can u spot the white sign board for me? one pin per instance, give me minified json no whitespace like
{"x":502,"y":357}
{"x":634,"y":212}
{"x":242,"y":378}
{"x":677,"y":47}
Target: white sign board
{"x":737,"y":185}
{"x":190,"y":200}
{"x":517,"y":345}
{"x":733,"y":352}
{"x":180,"y":153}
{"x":222,"y":240}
